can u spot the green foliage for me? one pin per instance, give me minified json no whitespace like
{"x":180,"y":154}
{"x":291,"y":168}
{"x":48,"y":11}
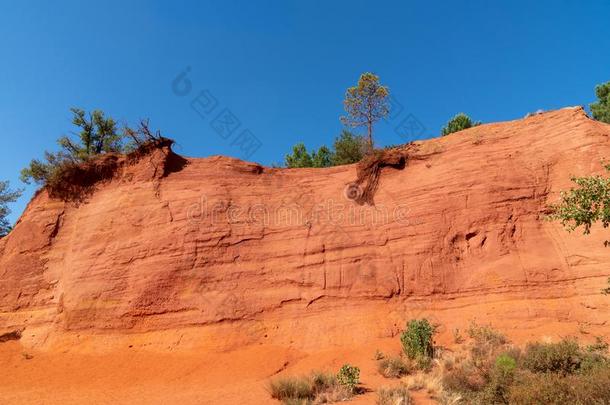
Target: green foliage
{"x":546,"y":373}
{"x":392,"y":367}
{"x":349,"y":148}
{"x":97,"y":134}
{"x":557,"y":389}
{"x":458,"y":123}
{"x":299,"y":157}
{"x":505,"y":365}
{"x":564,"y":357}
{"x":394,"y":396}
{"x":366,"y":103}
{"x":322,"y":157}
{"x":6,"y":196}
{"x":601,"y":108}
{"x":417,"y":339}
{"x":349,"y":376}
{"x":584,"y":205}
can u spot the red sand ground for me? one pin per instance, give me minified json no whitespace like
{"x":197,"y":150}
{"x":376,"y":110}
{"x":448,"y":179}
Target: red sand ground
{"x":167,"y":286}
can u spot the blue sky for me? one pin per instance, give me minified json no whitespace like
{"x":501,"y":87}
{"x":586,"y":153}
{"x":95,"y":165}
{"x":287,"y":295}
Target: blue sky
{"x":281,"y":67}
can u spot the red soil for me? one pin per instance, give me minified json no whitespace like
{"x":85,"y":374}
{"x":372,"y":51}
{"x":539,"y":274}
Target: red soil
{"x":196,"y":281}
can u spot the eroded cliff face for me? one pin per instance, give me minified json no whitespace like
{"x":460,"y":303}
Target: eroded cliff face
{"x":230,"y":252}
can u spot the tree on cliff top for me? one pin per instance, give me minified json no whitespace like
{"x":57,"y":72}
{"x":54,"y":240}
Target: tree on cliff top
{"x":601,"y":109}
{"x":347,"y":148}
{"x":97,"y":134}
{"x":6,"y":196}
{"x":458,"y":123}
{"x":366,"y":103}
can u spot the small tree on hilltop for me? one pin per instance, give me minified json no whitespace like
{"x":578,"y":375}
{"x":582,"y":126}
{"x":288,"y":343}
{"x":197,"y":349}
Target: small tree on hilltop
{"x":458,"y":123}
{"x":6,"y":196}
{"x":98,"y":134}
{"x":601,"y":109}
{"x":299,"y":157}
{"x":349,"y":148}
{"x":323,"y":157}
{"x":366,"y":103}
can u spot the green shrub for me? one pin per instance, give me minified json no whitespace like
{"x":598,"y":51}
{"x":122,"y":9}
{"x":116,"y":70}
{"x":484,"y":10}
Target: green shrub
{"x":6,"y":196}
{"x":394,"y":396}
{"x":349,"y":376}
{"x":458,"y":123}
{"x":601,"y":109}
{"x":417,"y":339}
{"x":464,"y":378}
{"x":555,"y":388}
{"x":348,"y":148}
{"x":392,"y":367}
{"x":485,"y":334}
{"x":505,"y":365}
{"x":563,"y":357}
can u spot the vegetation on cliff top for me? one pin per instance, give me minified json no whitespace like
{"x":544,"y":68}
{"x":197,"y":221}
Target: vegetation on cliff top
{"x":6,"y":196}
{"x":601,"y":109}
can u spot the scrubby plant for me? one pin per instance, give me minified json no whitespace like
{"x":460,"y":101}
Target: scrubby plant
{"x":394,"y":396}
{"x":318,"y":387}
{"x":457,"y":336}
{"x":544,"y":373}
{"x":97,"y":134}
{"x":291,"y":388}
{"x":417,"y":339}
{"x":347,"y":148}
{"x":349,"y":376}
{"x":458,"y":123}
{"x":392,"y":367}
{"x":557,"y":389}
{"x":299,"y":157}
{"x":564,"y":357}
{"x":601,"y":108}
{"x":6,"y":196}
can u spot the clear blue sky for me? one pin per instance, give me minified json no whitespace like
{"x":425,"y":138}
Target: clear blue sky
{"x":281,"y":67}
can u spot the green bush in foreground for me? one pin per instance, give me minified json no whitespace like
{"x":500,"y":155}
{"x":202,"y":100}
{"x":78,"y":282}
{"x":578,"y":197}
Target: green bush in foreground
{"x":317,"y":387}
{"x":349,"y":376}
{"x":417,"y":339}
{"x":544,"y":373}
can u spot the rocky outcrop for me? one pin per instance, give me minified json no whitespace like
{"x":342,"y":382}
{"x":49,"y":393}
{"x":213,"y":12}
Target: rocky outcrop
{"x":229,"y":251}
